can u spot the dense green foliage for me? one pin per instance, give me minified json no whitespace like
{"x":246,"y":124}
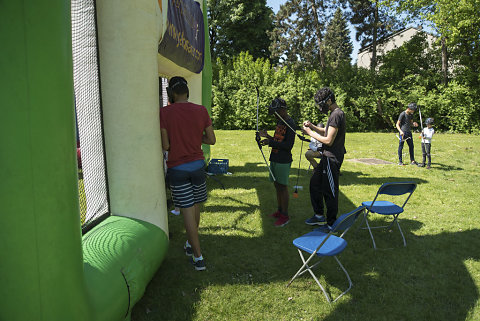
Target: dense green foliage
{"x":458,"y":22}
{"x":299,"y":32}
{"x":236,"y":26}
{"x":369,"y":104}
{"x":338,"y":45}
{"x":310,"y":49}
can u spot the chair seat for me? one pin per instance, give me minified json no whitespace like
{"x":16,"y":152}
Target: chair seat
{"x":383,"y":207}
{"x":310,"y":241}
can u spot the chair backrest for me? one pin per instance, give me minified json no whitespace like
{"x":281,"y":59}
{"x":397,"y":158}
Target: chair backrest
{"x":345,"y":221}
{"x":397,"y":188}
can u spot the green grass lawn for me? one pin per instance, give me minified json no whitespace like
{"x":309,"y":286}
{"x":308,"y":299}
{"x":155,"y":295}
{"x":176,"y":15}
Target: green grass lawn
{"x":249,"y":261}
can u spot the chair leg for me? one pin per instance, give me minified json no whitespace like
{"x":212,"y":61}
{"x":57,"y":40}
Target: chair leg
{"x":403,"y":237}
{"x":363,"y":219}
{"x":395,"y":220}
{"x":304,"y":267}
{"x":350,"y":284}
{"x":321,"y":287}
{"x":370,"y":231}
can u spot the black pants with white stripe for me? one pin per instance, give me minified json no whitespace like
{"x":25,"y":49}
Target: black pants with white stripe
{"x":324,"y":186}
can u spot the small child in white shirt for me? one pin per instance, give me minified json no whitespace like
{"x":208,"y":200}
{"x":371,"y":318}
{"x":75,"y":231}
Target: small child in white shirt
{"x":427,"y":134}
{"x":315,"y":150}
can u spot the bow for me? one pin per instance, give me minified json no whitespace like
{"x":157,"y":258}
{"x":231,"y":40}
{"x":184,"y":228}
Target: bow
{"x":302,"y":138}
{"x":421,"y":122}
{"x":257,"y":138}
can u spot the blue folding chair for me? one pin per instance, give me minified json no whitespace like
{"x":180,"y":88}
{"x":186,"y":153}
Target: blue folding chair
{"x":321,"y":244}
{"x":387,"y":207}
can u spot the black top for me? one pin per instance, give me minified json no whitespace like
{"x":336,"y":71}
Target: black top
{"x":282,"y":142}
{"x":337,"y":149}
{"x":405,"y":122}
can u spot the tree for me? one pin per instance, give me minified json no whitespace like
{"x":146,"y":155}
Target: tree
{"x":338,"y":46}
{"x":239,"y":25}
{"x":458,"y":24}
{"x":298,"y":35}
{"x":372,"y":23}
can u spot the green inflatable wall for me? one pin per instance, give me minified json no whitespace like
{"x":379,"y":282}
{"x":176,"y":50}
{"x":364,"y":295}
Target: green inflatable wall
{"x":41,"y":268}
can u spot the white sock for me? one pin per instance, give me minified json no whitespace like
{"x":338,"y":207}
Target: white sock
{"x":195,"y":259}
{"x":187,"y":244}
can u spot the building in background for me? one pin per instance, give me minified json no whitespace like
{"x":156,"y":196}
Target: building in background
{"x":394,"y":41}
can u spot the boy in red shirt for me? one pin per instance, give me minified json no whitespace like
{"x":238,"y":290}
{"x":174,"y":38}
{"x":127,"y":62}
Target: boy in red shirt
{"x":184,"y":127}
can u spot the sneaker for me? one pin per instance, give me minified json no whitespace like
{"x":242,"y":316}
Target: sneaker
{"x":325,"y":229}
{"x":199,"y":265}
{"x":400,"y":163}
{"x":175,"y":212}
{"x":275,"y":215}
{"x":413,"y":163}
{"x":421,"y":165}
{"x":314,"y":220}
{"x":428,"y":166}
{"x":282,"y":220}
{"x":188,"y":250}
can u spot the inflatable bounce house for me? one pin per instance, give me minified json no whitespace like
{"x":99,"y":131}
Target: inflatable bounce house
{"x":88,"y":73}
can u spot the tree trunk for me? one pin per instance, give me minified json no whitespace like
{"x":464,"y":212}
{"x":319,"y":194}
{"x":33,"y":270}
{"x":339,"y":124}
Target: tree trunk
{"x":387,"y":119}
{"x":373,"y":62}
{"x":318,"y":34}
{"x":444,"y":61}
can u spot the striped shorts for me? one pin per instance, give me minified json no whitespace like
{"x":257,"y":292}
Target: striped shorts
{"x":188,"y":188}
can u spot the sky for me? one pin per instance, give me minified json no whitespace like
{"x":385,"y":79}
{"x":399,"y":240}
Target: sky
{"x":275,"y":5}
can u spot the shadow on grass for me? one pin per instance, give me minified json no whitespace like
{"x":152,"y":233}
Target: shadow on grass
{"x":446,"y":168}
{"x":359,"y":178}
{"x":428,"y":279}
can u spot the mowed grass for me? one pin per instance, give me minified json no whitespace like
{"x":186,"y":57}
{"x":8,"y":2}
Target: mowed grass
{"x":249,"y":261}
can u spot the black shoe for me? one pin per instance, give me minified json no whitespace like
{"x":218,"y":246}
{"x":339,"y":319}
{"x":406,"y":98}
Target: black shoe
{"x":188,"y":250}
{"x":413,"y":163}
{"x":199,"y":265}
{"x":314,"y":220}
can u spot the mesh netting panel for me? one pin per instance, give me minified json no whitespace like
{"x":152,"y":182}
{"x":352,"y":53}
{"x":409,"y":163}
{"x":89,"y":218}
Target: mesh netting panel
{"x":93,"y":193}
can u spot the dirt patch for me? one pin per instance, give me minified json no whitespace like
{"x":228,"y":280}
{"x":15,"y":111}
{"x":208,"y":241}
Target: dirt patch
{"x":370,"y":161}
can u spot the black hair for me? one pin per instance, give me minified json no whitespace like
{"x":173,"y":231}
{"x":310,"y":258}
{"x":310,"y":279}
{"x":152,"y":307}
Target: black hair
{"x":177,"y":85}
{"x":324,"y":94}
{"x":412,"y":106}
{"x":277,"y":104}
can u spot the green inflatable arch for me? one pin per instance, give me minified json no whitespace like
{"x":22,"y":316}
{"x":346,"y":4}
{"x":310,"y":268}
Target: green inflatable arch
{"x":48,"y":270}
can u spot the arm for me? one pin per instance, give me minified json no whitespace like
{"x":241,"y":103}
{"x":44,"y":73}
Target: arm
{"x":332,"y":133}
{"x":286,"y":144}
{"x":398,"y":128}
{"x":317,"y":129}
{"x":165,"y":140}
{"x":209,"y":136}
{"x":263,"y":133}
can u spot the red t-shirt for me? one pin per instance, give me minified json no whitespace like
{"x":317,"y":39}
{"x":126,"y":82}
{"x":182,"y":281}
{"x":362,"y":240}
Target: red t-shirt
{"x":185,"y":124}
